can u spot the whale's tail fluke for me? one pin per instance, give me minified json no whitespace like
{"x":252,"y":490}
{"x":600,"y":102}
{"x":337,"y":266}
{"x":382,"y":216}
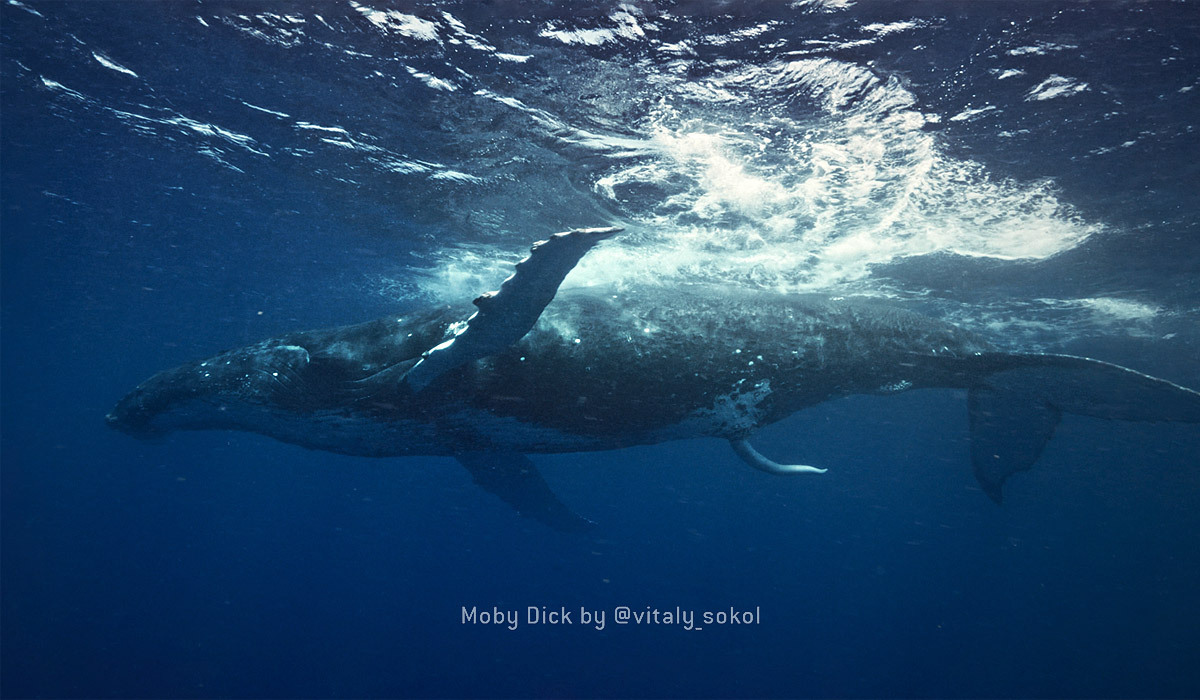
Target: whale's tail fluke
{"x":1016,"y":402}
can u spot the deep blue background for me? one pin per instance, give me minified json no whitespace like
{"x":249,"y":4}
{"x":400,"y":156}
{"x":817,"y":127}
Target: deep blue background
{"x":217,"y":564}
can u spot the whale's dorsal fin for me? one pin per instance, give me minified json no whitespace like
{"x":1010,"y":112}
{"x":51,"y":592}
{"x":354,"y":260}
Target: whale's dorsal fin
{"x":506,"y":315}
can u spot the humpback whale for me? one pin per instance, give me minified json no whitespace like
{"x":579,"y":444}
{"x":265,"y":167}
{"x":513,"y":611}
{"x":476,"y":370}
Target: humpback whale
{"x":531,"y":369}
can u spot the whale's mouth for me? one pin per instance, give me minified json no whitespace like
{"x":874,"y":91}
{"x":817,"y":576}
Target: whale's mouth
{"x":131,"y":417}
{"x":152,"y":408}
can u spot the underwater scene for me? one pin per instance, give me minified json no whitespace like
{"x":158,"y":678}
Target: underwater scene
{"x":526,"y":348}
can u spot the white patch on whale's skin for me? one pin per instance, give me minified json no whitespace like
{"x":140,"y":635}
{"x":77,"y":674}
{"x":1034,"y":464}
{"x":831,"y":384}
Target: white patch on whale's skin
{"x":341,"y":349}
{"x":734,"y":414}
{"x":273,"y":360}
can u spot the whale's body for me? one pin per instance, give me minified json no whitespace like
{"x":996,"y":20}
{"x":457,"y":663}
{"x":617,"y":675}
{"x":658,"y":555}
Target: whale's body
{"x":600,"y":369}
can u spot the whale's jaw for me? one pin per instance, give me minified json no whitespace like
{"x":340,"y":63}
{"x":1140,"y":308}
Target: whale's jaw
{"x":131,"y":423}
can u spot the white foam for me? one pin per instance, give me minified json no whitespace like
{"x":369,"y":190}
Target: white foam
{"x":142,"y":121}
{"x":1055,"y":86}
{"x":455,"y":176}
{"x":112,"y":65}
{"x":25,"y":7}
{"x":1006,"y":74}
{"x":801,"y":174}
{"x":883,"y":29}
{"x":318,"y":127}
{"x":820,"y":209}
{"x":1118,"y":310}
{"x":624,"y":19}
{"x":465,"y":273}
{"x":207,"y":129}
{"x":341,"y":143}
{"x":824,"y":6}
{"x":737,"y":35}
{"x":280,"y":30}
{"x":683,"y":48}
{"x":401,"y":166}
{"x":431,"y":81}
{"x":59,"y":87}
{"x":833,"y":83}
{"x":568,"y":134}
{"x":213,"y":136}
{"x":967,"y":114}
{"x":267,"y":111}
{"x":396,"y":22}
{"x":1040,"y":49}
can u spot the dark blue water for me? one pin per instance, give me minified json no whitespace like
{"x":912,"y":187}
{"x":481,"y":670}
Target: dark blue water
{"x":186,"y":177}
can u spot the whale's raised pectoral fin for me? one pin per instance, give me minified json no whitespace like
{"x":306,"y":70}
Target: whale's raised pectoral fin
{"x":506,"y":315}
{"x":755,"y":459}
{"x":516,"y":480}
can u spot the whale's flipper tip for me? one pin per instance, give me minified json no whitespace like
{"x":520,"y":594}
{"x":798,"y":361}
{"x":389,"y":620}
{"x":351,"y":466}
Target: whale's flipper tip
{"x":516,"y":480}
{"x":507,"y":314}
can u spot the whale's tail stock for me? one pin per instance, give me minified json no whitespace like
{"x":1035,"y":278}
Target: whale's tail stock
{"x":1016,"y":402}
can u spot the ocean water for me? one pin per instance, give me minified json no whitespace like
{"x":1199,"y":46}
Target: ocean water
{"x":181,"y":178}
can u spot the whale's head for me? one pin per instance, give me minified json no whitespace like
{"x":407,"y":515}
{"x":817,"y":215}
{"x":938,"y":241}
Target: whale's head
{"x":221,"y":392}
{"x":138,"y":413}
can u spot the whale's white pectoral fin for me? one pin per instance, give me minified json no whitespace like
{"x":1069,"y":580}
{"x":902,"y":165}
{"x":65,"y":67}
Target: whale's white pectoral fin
{"x":506,"y":315}
{"x":755,"y":459}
